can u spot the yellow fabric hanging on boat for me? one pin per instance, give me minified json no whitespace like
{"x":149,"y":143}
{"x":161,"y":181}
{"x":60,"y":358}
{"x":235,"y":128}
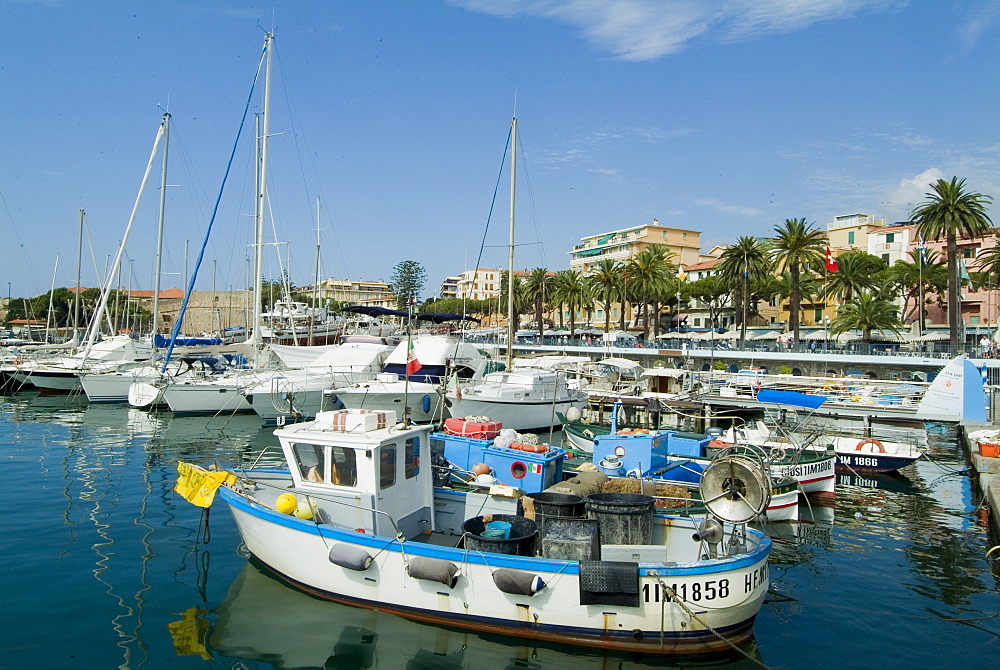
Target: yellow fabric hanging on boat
{"x":198,"y":485}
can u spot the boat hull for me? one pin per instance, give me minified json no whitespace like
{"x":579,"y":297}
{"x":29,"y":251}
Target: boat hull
{"x":726,"y":594}
{"x":521,"y":416}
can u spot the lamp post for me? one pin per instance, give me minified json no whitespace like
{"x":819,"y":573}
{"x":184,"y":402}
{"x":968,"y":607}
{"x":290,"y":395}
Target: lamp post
{"x":826,"y":326}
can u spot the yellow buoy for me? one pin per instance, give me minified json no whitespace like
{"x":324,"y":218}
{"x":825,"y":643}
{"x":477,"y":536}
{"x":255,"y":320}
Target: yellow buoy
{"x":305,"y":509}
{"x":286,"y":503}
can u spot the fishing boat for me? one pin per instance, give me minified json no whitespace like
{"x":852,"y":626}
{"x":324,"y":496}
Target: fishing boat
{"x":861,"y":448}
{"x":358,"y":518}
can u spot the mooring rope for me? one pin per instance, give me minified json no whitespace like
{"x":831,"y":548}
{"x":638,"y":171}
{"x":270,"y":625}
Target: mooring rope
{"x":677,"y":599}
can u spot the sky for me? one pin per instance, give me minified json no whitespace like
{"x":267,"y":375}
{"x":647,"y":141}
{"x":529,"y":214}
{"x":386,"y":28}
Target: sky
{"x":721,"y":116}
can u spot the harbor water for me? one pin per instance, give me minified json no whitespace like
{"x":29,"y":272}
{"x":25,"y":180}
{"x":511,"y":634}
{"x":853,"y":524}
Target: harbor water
{"x":105,"y":567}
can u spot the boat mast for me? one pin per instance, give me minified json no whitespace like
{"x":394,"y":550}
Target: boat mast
{"x":79,"y":265}
{"x":315,"y":305}
{"x":258,"y":287}
{"x":159,"y":234}
{"x":510,"y":248}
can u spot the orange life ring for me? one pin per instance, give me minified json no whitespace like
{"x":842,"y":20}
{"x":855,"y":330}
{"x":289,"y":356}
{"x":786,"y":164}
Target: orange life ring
{"x":872,"y":441}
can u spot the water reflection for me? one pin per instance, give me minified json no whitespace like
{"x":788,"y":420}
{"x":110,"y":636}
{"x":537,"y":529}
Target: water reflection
{"x":263,"y":620}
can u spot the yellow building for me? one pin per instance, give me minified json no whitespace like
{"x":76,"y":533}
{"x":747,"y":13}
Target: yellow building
{"x":625,"y":244}
{"x":355,"y":292}
{"x":850,"y":231}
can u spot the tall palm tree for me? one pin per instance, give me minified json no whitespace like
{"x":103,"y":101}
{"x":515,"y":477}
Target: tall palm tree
{"x":537,"y":288}
{"x":742,"y":264}
{"x":650,"y":273}
{"x":950,"y":212}
{"x":797,"y":247}
{"x":923,"y":274}
{"x":607,"y":285}
{"x":868,"y":311}
{"x":569,"y":288}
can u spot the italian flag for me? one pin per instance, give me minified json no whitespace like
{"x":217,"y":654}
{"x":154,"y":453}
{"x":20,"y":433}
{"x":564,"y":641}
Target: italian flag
{"x":412,"y":364}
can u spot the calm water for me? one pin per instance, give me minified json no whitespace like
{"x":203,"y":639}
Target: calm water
{"x":103,"y":567}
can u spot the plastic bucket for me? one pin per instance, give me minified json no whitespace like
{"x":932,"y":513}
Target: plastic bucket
{"x":521,"y":539}
{"x":623,"y":518}
{"x":496,"y":529}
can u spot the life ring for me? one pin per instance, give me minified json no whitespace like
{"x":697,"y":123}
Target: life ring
{"x":533,"y":448}
{"x":872,"y":441}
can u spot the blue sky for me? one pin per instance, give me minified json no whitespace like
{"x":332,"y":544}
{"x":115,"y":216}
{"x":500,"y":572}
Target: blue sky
{"x":723,"y":116}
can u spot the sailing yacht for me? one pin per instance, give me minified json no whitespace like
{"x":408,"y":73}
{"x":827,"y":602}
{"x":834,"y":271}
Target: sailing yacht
{"x":520,"y":398}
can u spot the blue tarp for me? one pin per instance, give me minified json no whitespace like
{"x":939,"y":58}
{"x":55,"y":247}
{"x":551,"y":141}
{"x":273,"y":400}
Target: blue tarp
{"x":161,"y":342}
{"x":791,"y":398}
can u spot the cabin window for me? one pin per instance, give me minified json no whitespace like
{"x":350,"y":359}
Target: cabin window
{"x":387,"y":466}
{"x":412,"y":465}
{"x":341,"y":471}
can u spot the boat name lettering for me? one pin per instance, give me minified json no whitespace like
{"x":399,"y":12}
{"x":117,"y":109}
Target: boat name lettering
{"x":755,"y":578}
{"x":693,"y":591}
{"x":810,"y":469}
{"x":861,"y":461}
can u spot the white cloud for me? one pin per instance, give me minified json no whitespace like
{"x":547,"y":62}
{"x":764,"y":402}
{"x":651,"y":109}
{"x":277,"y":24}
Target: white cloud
{"x":641,"y":30}
{"x":899,"y":201}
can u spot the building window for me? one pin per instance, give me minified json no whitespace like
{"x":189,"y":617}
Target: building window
{"x":850,"y":237}
{"x":967,"y":253}
{"x":684,"y":236}
{"x":697,"y":323}
{"x":885,"y":257}
{"x":890,"y":237}
{"x":818,"y":315}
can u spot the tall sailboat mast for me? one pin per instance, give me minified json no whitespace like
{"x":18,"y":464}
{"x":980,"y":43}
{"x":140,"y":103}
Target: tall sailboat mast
{"x":510,"y":251}
{"x":261,"y":207}
{"x":159,"y":233}
{"x":79,"y":267}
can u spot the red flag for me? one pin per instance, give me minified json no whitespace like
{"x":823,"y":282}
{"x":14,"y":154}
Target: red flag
{"x":412,"y":364}
{"x":831,"y":264}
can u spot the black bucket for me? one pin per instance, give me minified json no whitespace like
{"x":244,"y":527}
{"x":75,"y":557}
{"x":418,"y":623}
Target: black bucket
{"x":552,"y":505}
{"x":520,"y":540}
{"x":623,"y":518}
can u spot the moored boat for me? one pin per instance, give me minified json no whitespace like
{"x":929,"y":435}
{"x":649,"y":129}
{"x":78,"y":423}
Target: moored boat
{"x":357,"y":518}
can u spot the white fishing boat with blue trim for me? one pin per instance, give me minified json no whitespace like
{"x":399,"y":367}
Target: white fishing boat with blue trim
{"x":357,"y":516}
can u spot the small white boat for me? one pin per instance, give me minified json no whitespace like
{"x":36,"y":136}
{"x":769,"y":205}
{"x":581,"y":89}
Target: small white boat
{"x":356,"y":519}
{"x":522,"y":399}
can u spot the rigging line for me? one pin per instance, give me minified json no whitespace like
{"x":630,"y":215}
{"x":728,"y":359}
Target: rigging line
{"x":215,"y":211}
{"x":493,"y":202}
{"x":531,"y":201}
{"x":17,"y":236}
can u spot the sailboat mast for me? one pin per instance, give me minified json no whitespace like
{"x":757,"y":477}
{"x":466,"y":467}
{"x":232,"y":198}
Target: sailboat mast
{"x":261,"y":199}
{"x":79,"y":267}
{"x":159,"y":233}
{"x":315,"y":305}
{"x":510,"y":250}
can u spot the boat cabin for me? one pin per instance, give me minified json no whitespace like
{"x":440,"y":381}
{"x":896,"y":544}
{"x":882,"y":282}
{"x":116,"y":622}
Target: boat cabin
{"x":379,"y":475}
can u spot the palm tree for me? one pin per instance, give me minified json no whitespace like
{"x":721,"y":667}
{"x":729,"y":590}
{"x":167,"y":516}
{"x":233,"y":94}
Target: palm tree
{"x":950,"y":212}
{"x":649,"y":273}
{"x":520,"y":302}
{"x":797,"y":246}
{"x":741,"y":264}
{"x":923,"y":274}
{"x":868,"y":311}
{"x":856,"y":271}
{"x":607,"y":285}
{"x":536,"y":289}
{"x":569,"y":288}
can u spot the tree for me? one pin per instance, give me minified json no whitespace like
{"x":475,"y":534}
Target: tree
{"x":797,"y":246}
{"x":649,"y":274}
{"x":568,"y":287}
{"x":714,"y":293}
{"x":741,"y":265}
{"x":607,"y":286}
{"x":536,"y":289}
{"x":923,"y":274}
{"x":952,"y":212}
{"x":407,"y":281}
{"x":856,"y":271}
{"x":867,"y":311}
{"x":520,"y":301}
